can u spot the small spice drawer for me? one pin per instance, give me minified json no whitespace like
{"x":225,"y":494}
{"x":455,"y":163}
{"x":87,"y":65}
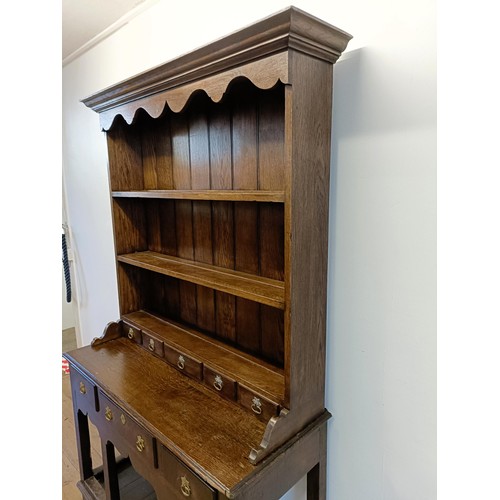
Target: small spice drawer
{"x":84,"y":392}
{"x":219,"y":383}
{"x":184,"y":482}
{"x":132,"y":333}
{"x":124,"y":432}
{"x":152,"y":344}
{"x":262,"y":407}
{"x":183,"y":362}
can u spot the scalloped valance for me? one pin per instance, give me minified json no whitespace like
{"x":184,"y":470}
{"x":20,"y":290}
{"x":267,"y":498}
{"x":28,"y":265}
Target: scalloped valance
{"x":261,"y":53}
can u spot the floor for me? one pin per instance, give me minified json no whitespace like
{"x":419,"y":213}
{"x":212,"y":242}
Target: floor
{"x":70,"y":474}
{"x":68,"y":339}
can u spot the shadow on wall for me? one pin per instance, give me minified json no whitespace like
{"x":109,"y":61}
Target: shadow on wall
{"x":375,"y":94}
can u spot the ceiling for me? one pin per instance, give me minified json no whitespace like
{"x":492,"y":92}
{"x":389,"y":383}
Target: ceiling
{"x":84,"y":20}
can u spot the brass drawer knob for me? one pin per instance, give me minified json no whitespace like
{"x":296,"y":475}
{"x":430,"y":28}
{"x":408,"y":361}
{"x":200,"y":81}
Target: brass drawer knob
{"x":218,"y":383}
{"x":130,"y":334}
{"x":185,"y":487}
{"x":83,"y":389}
{"x":140,"y":444}
{"x":151,"y":345}
{"x":257,"y":405}
{"x":181,"y":362}
{"x":108,"y":414}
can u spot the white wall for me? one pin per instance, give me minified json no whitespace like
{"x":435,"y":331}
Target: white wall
{"x":381,"y":330}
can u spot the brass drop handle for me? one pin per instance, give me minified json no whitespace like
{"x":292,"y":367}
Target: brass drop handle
{"x":181,"y":362}
{"x":185,"y":487}
{"x":151,"y":345}
{"x":108,"y":414}
{"x":130,"y":333}
{"x":218,"y":383}
{"x":256,"y":405}
{"x":83,"y":389}
{"x":140,"y":444}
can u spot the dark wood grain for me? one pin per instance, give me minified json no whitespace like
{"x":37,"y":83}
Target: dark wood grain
{"x":257,"y":288}
{"x":156,"y":154}
{"x":219,"y":176}
{"x":183,"y":212}
{"x":264,"y":378}
{"x":202,"y":212}
{"x":206,"y":194}
{"x":245,"y":164}
{"x":142,"y":383}
{"x":125,"y":159}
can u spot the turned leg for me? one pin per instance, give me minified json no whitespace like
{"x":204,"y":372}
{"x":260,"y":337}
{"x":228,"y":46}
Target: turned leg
{"x":111,"y":485}
{"x":83,"y":445}
{"x":316,"y":477}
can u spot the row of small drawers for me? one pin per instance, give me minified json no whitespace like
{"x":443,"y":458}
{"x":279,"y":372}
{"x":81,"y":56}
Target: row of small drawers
{"x":132,"y":439}
{"x":262,"y":407}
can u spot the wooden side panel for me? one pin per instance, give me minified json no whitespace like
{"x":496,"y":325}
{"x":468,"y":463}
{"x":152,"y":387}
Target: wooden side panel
{"x":307,"y":229}
{"x":129,"y":288}
{"x":221,"y":177}
{"x":125,"y":158}
{"x":129,"y":219}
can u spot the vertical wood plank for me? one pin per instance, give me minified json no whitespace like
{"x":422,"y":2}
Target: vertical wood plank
{"x":202,"y":210}
{"x":271,"y":216}
{"x":168,"y":245}
{"x":271,"y":139}
{"x":245,"y":161}
{"x":125,"y":157}
{"x":181,"y":174}
{"x":222,"y":215}
{"x":156,"y":153}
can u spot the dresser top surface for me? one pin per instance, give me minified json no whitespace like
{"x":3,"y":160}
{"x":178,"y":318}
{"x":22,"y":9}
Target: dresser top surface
{"x":211,"y":435}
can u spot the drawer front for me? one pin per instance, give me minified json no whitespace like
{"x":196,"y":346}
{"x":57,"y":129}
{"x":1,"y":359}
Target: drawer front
{"x":124,"y":432}
{"x":219,"y":383}
{"x":184,"y":482}
{"x":183,"y":362}
{"x":132,"y":333}
{"x":261,"y":407}
{"x":84,"y":392}
{"x":152,"y":344}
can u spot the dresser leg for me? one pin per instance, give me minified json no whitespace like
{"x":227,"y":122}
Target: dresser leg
{"x":83,"y":445}
{"x":316,"y":477}
{"x":111,"y":485}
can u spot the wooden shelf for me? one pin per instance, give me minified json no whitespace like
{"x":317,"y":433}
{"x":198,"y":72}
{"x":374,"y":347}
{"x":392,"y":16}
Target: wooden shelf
{"x":254,"y":373}
{"x":248,"y":286}
{"x":205,"y":194}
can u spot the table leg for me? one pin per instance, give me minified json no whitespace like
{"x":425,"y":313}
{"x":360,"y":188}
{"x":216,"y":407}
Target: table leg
{"x":316,"y":477}
{"x":111,"y":485}
{"x":83,"y":445}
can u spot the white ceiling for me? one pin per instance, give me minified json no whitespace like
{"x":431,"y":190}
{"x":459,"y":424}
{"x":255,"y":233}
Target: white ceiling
{"x":83,"y":20}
